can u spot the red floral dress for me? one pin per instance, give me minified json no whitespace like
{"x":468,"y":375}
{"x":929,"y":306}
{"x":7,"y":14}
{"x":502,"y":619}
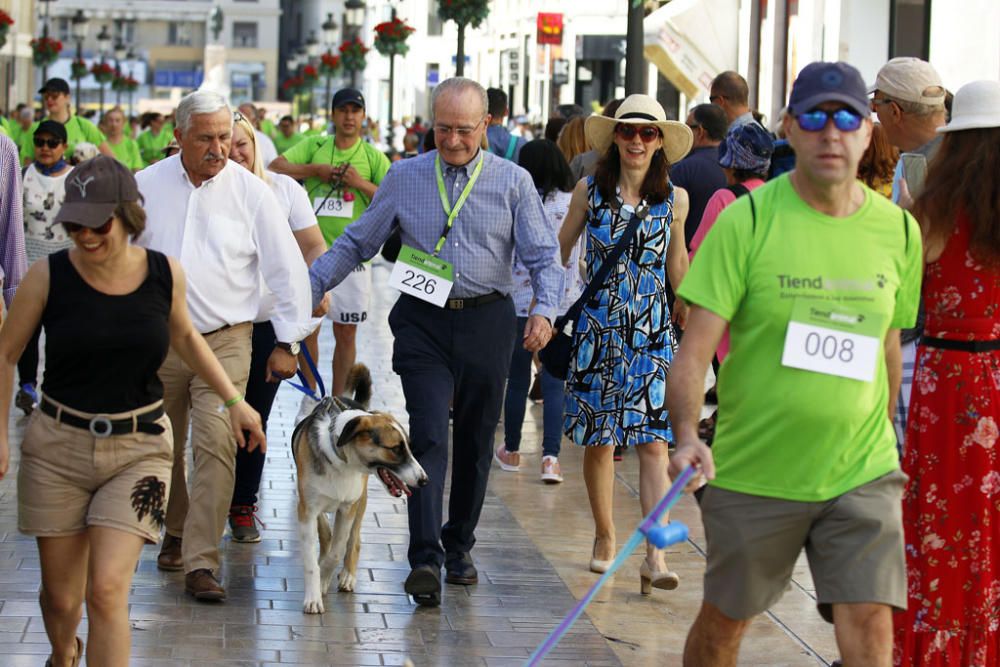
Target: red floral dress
{"x":953,"y":459}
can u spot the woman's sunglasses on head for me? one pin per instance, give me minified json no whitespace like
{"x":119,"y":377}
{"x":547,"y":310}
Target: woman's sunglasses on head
{"x":51,"y":143}
{"x":844,"y":120}
{"x":73,"y":228}
{"x":647,"y":133}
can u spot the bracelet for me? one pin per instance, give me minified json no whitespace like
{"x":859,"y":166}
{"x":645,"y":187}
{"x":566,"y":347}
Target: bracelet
{"x":233,"y":401}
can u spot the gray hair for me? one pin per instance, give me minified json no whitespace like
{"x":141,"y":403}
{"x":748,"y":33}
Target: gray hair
{"x":919,"y":108}
{"x":199,"y":102}
{"x":457,"y":85}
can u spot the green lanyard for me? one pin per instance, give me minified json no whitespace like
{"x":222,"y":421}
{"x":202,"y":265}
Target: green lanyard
{"x":453,"y":212}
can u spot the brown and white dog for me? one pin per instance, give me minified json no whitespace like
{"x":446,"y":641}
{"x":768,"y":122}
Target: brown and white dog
{"x":335,"y":449}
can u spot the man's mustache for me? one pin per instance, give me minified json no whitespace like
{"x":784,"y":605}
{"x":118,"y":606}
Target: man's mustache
{"x":210,"y":156}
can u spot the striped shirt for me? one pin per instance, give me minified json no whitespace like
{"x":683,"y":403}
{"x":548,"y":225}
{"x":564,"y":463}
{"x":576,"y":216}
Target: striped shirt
{"x":503,"y":213}
{"x":13,"y":260}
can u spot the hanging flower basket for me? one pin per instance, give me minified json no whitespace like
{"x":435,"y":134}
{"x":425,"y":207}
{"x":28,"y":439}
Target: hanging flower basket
{"x":78,"y":70}
{"x":391,"y":36}
{"x":309,"y":75}
{"x":329,"y":64}
{"x":352,"y":55}
{"x":464,"y":12}
{"x":45,"y":50}
{"x":125,"y":84}
{"x":5,"y":23}
{"x":103,"y":72}
{"x":293,"y":85}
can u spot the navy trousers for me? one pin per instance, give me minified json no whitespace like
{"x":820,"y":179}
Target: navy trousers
{"x":440,"y":354}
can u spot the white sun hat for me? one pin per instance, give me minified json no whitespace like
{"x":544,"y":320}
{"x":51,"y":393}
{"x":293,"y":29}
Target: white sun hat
{"x":976,"y":105}
{"x":640,"y":110}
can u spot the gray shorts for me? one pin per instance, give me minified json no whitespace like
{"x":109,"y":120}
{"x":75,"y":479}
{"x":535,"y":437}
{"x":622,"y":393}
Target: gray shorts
{"x":854,"y":544}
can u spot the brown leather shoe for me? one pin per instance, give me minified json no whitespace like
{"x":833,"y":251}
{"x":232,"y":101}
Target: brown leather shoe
{"x":170,"y":559}
{"x":203,"y":585}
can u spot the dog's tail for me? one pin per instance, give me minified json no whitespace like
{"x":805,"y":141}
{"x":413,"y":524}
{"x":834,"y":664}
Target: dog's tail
{"x":359,"y":385}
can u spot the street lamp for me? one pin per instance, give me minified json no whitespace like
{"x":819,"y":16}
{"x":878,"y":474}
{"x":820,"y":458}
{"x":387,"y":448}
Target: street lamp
{"x":354,"y":18}
{"x":312,"y":52}
{"x":390,"y":131}
{"x":103,"y":47}
{"x":79,"y":29}
{"x":329,"y":29}
{"x":121,"y":51}
{"x":45,"y":35}
{"x":292,"y":65}
{"x":131,"y":93}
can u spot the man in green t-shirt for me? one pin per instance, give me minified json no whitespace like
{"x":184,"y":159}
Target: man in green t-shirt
{"x":341,"y":174}
{"x":286,"y":136}
{"x":58,"y":107}
{"x":814,"y":275}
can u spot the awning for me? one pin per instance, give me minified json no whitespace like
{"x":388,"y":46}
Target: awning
{"x":690,"y":41}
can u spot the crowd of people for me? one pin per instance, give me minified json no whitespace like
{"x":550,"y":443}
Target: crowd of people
{"x":839,"y":274}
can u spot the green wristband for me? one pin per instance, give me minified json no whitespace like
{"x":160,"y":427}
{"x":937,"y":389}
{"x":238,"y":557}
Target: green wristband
{"x":233,"y":401}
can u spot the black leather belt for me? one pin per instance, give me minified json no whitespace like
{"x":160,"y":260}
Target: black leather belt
{"x":961,"y":345}
{"x":472,"y":302}
{"x":215,"y":331}
{"x":100,"y":426}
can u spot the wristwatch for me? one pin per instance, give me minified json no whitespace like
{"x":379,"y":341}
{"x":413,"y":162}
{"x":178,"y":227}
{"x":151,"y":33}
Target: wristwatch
{"x":291,"y":348}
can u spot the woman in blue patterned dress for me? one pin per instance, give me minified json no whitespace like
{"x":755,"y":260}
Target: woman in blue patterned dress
{"x":623,"y":341}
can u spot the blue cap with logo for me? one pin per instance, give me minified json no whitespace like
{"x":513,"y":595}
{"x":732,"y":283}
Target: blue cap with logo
{"x":821,"y":82}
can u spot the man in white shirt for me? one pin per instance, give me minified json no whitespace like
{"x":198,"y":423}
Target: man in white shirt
{"x":216,"y":217}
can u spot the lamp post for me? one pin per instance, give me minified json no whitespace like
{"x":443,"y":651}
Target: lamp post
{"x":131,"y":93}
{"x":121,"y":51}
{"x":292,"y":65}
{"x":354,"y":18}
{"x":103,"y":47}
{"x":329,"y":28}
{"x":79,"y":28}
{"x":635,"y":64}
{"x":45,"y":35}
{"x":390,"y":131}
{"x":312,"y":53}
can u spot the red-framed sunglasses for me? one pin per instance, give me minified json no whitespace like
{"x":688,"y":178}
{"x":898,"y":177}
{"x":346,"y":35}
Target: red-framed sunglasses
{"x":73,"y":228}
{"x":647,"y":133}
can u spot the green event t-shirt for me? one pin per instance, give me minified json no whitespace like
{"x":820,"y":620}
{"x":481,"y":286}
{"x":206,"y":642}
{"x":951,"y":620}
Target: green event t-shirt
{"x":371,"y":164}
{"x":783,"y":432}
{"x":127,"y":152}
{"x":150,"y":147}
{"x":283,"y":143}
{"x":78,"y":130}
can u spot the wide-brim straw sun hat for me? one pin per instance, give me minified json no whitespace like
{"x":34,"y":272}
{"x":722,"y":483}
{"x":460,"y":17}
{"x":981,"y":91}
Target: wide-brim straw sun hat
{"x":640,"y":110}
{"x":976,"y":106}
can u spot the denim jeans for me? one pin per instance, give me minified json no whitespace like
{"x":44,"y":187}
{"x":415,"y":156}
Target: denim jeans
{"x":518,"y":382}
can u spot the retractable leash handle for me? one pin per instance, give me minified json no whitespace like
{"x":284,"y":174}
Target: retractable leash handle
{"x":650,"y":528}
{"x":304,"y":387}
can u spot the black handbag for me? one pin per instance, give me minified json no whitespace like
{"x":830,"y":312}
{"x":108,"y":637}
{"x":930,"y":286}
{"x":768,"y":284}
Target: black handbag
{"x":556,"y":356}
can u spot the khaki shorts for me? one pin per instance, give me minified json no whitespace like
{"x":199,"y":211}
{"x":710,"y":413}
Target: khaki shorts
{"x":854,"y":544}
{"x":69,"y":480}
{"x":349,"y":301}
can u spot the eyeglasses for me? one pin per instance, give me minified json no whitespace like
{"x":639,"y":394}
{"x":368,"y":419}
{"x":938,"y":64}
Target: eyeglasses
{"x":237,"y":117}
{"x":647,"y":133}
{"x":445,"y":130}
{"x":73,"y":228}
{"x":877,"y":101}
{"x":51,"y":143}
{"x":694,"y":126}
{"x":712,"y":98}
{"x":844,"y":120}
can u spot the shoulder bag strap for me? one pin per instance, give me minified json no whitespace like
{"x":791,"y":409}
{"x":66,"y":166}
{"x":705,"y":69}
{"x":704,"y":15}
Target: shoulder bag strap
{"x":601,"y":275}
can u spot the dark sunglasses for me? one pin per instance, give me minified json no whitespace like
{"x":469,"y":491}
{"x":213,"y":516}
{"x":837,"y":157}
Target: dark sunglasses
{"x":73,"y":228}
{"x":646,"y":133}
{"x":845,"y":120}
{"x":51,"y":143}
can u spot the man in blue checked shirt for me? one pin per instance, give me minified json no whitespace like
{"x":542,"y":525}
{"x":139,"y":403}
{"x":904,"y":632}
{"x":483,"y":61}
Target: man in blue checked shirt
{"x":461,"y":212}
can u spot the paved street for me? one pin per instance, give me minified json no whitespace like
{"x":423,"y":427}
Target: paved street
{"x":533,"y":547}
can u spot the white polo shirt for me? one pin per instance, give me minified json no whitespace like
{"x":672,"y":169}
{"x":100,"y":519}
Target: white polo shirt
{"x":228,"y":233}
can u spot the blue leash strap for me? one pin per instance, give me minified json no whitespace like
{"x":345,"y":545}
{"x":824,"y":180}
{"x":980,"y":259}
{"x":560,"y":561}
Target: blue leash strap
{"x":304,"y":387}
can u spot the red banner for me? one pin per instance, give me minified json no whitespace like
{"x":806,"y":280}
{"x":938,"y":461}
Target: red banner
{"x":550,"y":28}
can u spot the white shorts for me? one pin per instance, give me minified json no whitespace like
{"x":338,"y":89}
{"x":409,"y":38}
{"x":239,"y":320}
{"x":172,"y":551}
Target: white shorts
{"x":350,"y":299}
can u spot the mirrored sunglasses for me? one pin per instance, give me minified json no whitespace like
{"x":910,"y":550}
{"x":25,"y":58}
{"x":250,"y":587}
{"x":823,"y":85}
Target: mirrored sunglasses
{"x":647,"y":133}
{"x":844,"y":120}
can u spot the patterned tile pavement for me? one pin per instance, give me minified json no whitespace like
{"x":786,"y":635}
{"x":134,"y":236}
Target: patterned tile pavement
{"x":533,"y":545}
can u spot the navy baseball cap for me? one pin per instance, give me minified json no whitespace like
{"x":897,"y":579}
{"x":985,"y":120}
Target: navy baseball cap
{"x":348,"y":96}
{"x":821,"y":82}
{"x":55,"y":85}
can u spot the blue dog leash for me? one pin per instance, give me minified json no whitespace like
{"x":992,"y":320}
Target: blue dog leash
{"x":304,"y":387}
{"x":650,"y":528}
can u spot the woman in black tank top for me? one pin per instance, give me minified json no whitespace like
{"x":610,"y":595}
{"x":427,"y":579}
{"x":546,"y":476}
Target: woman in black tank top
{"x":97,"y":454}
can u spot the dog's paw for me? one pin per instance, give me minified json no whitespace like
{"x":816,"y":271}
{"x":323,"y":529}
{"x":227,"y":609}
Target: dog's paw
{"x":313,"y":606}
{"x":346,"y":581}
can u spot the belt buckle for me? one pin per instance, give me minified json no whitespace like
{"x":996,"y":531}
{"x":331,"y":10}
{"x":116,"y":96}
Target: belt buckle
{"x":456,"y":304}
{"x":100,"y":426}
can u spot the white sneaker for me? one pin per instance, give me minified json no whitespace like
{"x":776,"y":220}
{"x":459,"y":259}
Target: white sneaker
{"x":551,"y":473}
{"x":305,"y":408}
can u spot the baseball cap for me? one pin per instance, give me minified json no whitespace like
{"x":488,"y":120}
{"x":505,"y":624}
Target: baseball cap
{"x":910,"y":80}
{"x":54,"y":86}
{"x":821,"y":82}
{"x":95,"y":189}
{"x":348,"y":96}
{"x":56,"y":129}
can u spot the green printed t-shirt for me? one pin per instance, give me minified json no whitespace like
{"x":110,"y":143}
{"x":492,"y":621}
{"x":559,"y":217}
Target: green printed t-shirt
{"x":283,"y":143}
{"x":370,"y":163}
{"x":150,"y":147}
{"x":78,"y":130}
{"x":783,"y":432}
{"x":127,"y":152}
